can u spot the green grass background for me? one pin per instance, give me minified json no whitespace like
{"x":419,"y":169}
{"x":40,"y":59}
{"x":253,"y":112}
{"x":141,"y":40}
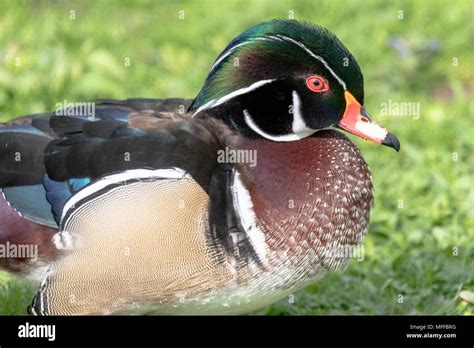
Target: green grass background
{"x":410,"y":251}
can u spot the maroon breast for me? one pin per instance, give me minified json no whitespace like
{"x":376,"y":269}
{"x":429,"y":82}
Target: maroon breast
{"x":310,"y":193}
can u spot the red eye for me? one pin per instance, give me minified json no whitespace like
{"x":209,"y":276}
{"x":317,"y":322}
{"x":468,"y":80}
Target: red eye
{"x":317,"y":84}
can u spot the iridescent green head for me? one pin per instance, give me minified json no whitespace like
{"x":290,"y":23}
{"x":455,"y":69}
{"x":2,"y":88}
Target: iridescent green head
{"x":284,"y":80}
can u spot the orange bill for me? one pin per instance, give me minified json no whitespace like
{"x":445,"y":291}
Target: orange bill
{"x":358,"y":122}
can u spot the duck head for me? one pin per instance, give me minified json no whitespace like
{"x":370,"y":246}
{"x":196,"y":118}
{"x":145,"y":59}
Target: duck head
{"x":284,"y":80}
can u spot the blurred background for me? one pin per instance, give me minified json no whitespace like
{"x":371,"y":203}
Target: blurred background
{"x":419,"y":254}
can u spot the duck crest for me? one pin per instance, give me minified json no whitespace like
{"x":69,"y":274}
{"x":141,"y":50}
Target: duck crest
{"x":274,"y":49}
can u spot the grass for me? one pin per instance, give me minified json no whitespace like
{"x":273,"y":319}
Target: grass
{"x":419,"y":254}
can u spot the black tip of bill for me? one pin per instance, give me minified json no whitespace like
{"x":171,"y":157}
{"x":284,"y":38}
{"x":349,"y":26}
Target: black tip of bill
{"x":391,"y":141}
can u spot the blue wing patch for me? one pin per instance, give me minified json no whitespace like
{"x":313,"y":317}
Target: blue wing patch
{"x":30,"y":201}
{"x":58,"y":192}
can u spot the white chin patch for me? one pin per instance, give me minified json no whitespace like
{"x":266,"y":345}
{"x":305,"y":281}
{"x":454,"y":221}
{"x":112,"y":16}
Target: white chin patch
{"x":299,"y":128}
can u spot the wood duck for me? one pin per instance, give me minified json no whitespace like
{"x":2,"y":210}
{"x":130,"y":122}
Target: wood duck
{"x":219,"y":205}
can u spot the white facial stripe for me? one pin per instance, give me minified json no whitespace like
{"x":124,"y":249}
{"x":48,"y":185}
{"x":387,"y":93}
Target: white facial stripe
{"x":232,"y":49}
{"x":206,"y":106}
{"x":285,"y":137}
{"x":288,"y":39}
{"x":241,"y":91}
{"x":222,"y":100}
{"x":212,"y":103}
{"x":311,"y":53}
{"x":171,"y":173}
{"x":225,"y":55}
{"x":299,"y":126}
